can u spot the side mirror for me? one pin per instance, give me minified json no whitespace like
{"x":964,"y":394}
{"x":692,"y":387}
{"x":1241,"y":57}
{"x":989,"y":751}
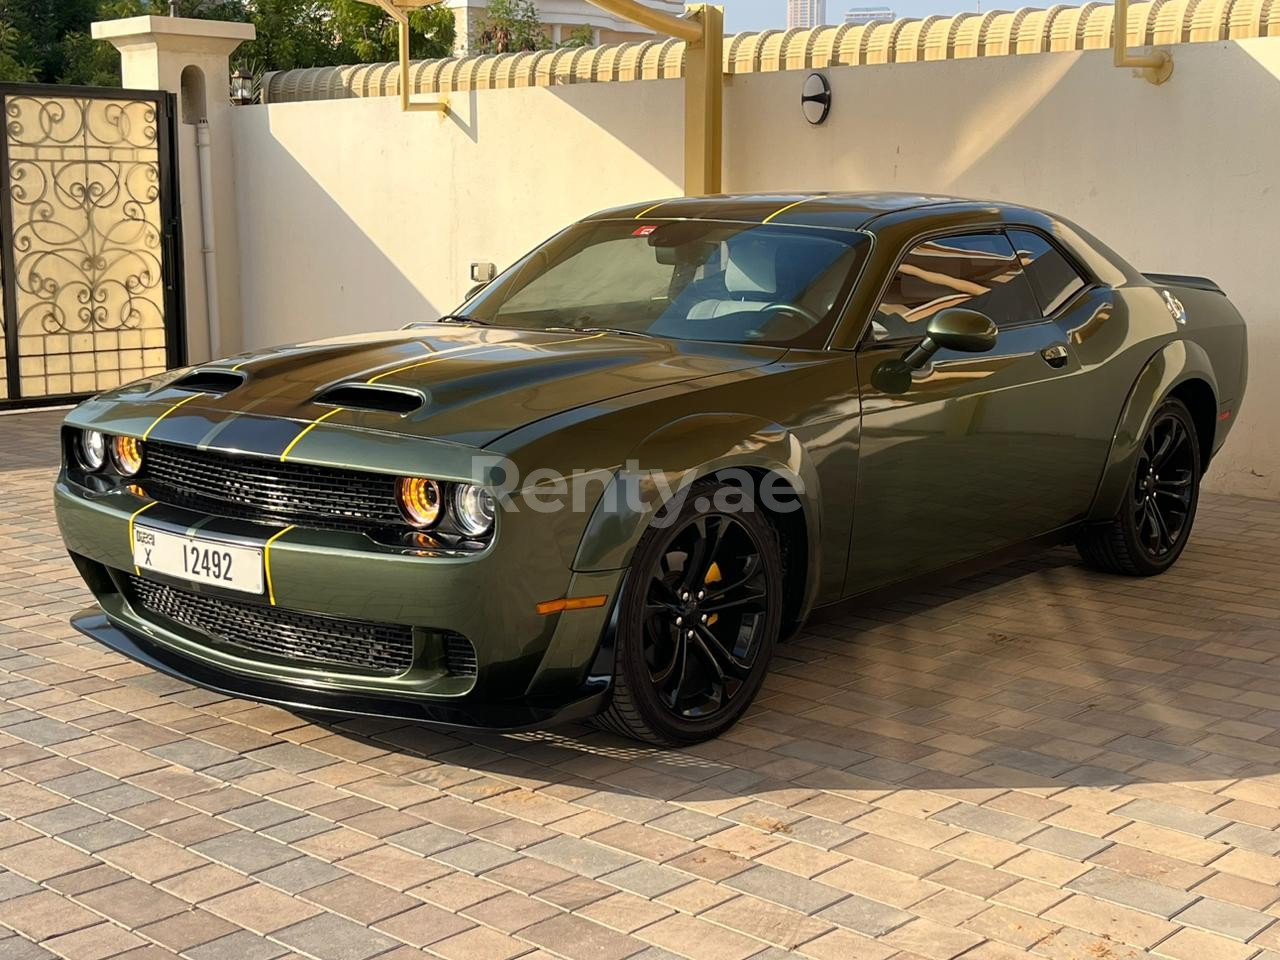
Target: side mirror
{"x":483,"y":272}
{"x":473,"y":291}
{"x":964,"y":331}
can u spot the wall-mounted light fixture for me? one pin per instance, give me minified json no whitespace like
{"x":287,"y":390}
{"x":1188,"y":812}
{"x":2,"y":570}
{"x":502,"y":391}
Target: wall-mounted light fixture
{"x":815,"y":99}
{"x":241,"y":89}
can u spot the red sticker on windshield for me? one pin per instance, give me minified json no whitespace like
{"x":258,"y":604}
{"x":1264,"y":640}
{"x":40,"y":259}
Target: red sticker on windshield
{"x":645,"y":231}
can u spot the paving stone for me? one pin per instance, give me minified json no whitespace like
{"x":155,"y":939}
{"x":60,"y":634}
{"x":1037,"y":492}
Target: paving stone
{"x":1249,"y":837}
{"x":45,"y":732}
{"x":1067,"y":843}
{"x":102,"y":836}
{"x":77,"y":784}
{"x":64,"y":819}
{"x":327,"y":937}
{"x":429,"y":840}
{"x":1132,"y":892}
{"x":193,"y":754}
{"x":1173,"y":817}
{"x":581,"y":939}
{"x":476,"y":857}
{"x":246,"y":852}
{"x":14,"y":947}
{"x":259,"y":816}
{"x":12,"y":885}
{"x":991,"y":822}
{"x":865,"y":916}
{"x":648,"y":880}
{"x":1238,"y":923}
{"x":300,"y":874}
{"x":299,"y":829}
{"x":580,"y":856}
{"x":778,"y":886}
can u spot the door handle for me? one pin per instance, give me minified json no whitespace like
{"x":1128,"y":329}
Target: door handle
{"x":1055,"y":356}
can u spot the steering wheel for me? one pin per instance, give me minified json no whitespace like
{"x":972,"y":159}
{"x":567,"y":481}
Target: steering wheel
{"x":795,"y":308}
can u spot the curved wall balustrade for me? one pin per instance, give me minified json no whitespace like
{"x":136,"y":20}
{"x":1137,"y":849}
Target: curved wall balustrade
{"x":966,"y":35}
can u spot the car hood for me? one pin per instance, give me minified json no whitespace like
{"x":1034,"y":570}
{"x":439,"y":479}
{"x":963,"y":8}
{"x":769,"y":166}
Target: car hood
{"x":467,"y":385}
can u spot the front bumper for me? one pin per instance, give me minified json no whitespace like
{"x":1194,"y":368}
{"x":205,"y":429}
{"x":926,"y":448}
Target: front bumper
{"x":462,"y":714}
{"x":530,"y":669}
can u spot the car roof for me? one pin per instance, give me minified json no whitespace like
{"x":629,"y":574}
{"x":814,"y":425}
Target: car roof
{"x":847,"y":211}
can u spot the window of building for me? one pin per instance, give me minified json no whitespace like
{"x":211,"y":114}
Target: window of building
{"x":978,"y":272}
{"x":1052,"y":276}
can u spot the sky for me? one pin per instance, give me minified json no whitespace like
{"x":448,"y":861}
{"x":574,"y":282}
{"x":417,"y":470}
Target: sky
{"x":765,"y":14}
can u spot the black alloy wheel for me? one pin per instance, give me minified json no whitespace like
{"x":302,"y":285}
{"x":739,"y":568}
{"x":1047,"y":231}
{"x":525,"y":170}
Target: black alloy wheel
{"x":699,"y":620}
{"x":1164,"y":485}
{"x":1160,"y":503}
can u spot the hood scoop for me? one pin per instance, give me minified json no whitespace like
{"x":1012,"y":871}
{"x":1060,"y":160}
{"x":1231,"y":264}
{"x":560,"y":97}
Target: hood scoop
{"x":210,"y":381}
{"x":361,"y":396}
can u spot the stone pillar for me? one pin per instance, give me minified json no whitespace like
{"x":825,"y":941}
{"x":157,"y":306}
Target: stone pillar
{"x":190,"y":58}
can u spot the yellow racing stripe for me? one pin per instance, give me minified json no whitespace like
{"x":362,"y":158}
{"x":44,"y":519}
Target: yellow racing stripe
{"x":790,"y":206}
{"x":306,"y":430}
{"x":136,"y":514}
{"x":648,"y":210}
{"x":266,"y":561}
{"x":435,"y":358}
{"x":493,"y":348}
{"x":155,"y":423}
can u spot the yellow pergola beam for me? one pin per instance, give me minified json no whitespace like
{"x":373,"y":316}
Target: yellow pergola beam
{"x":703,"y":32}
{"x":1156,"y":66}
{"x":398,"y":10}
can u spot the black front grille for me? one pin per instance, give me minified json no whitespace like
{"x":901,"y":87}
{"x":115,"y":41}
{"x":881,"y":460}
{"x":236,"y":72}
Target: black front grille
{"x":459,"y":656}
{"x":257,"y":488}
{"x":302,"y":639}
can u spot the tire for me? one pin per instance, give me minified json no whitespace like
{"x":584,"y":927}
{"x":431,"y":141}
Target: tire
{"x":666,"y":690}
{"x":1149,"y":533}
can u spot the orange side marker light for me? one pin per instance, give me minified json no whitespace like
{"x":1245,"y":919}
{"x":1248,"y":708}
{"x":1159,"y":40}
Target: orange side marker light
{"x":565,"y":604}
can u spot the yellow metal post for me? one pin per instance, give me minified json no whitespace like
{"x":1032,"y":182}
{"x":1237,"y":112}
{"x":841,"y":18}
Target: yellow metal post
{"x":1156,"y":66}
{"x":399,"y":11}
{"x":703,"y":32}
{"x":704,"y":104}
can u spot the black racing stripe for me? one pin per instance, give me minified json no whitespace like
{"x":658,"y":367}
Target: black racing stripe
{"x":189,"y":424}
{"x":247,"y":433}
{"x":812,"y":215}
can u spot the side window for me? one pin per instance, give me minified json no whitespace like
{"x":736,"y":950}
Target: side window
{"x":1052,"y":276}
{"x":977,"y":272}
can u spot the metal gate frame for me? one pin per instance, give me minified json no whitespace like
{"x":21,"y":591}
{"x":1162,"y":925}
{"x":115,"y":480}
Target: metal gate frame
{"x":171,"y":247}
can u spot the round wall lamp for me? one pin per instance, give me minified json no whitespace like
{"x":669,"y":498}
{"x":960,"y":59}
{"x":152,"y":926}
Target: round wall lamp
{"x":815,"y":100}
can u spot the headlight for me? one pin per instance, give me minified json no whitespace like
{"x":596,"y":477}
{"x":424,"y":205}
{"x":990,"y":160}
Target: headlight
{"x":474,"y":509}
{"x":92,"y":449}
{"x":419,"y":501}
{"x":126,"y":454}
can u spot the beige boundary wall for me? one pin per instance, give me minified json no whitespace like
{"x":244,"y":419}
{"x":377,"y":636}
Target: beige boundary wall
{"x":355,"y":216}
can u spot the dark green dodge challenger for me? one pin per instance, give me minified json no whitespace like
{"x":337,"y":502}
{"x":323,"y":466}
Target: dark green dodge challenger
{"x":638,"y":459}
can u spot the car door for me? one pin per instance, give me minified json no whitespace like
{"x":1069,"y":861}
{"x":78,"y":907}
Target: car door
{"x":973,"y":452}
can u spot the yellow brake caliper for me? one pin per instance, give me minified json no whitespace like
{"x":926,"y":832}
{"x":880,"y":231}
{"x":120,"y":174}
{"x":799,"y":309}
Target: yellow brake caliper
{"x":713,"y":576}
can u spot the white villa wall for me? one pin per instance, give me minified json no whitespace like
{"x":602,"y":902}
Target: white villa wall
{"x":354,"y":216}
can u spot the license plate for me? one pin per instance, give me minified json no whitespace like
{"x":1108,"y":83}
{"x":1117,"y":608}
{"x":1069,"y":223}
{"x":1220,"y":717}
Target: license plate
{"x":198,"y":559}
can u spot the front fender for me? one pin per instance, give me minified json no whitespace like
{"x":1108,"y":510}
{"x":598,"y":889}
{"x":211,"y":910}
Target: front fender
{"x":680,"y":453}
{"x":1176,"y":362}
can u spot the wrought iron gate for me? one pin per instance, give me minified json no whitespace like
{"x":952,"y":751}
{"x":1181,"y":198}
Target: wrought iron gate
{"x":90,"y":246}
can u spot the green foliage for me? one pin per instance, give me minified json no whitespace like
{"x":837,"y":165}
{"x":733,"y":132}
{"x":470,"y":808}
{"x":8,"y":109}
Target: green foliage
{"x":510,"y":26}
{"x":12,"y":69}
{"x":582,"y":36}
{"x":48,"y":41}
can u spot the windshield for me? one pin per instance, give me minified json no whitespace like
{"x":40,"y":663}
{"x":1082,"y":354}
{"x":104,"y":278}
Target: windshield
{"x":683,"y":279}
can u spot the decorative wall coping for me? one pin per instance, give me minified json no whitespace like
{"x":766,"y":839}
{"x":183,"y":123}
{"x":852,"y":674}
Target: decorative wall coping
{"x":966,"y":35}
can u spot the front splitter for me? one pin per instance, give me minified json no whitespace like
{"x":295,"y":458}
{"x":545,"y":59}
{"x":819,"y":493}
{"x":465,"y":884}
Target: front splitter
{"x":490,"y":718}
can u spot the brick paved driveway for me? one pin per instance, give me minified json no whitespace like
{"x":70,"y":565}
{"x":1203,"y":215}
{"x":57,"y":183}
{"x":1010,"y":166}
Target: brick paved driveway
{"x":1039,"y":761}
